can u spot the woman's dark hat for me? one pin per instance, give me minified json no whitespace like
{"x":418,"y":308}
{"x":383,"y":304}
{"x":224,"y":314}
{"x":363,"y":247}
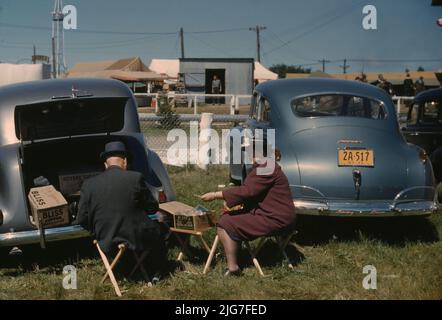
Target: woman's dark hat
{"x":115,"y":148}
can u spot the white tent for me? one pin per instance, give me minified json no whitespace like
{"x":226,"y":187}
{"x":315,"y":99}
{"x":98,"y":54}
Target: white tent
{"x":14,"y":73}
{"x":263,"y":74}
{"x":167,"y":67}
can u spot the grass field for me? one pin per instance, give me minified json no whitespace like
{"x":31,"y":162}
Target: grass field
{"x":407,"y":254}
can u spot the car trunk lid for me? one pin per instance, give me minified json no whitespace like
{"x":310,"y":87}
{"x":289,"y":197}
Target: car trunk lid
{"x":320,"y":169}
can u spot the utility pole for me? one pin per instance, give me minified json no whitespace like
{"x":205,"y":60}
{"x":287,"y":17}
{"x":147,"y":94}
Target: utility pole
{"x":345,"y":66}
{"x":182,"y":42}
{"x":34,"y":55}
{"x":324,"y":61}
{"x":257,"y":29}
{"x":54,"y":59}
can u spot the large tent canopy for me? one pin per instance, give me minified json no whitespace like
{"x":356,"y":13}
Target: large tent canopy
{"x":130,"y":69}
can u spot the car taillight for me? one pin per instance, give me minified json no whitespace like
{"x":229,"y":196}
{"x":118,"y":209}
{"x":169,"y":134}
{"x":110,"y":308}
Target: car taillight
{"x":423,"y":156}
{"x":162,"y":196}
{"x":1,"y":217}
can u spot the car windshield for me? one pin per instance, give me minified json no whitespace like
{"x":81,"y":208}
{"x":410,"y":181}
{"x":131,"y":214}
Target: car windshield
{"x":339,"y":105}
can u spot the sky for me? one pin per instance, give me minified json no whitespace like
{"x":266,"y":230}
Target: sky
{"x":297,"y":32}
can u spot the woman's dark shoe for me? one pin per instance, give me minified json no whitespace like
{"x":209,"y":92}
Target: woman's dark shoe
{"x":235,"y":273}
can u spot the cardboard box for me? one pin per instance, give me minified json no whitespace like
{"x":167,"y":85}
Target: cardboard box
{"x":189,"y":218}
{"x":70,"y":182}
{"x":49,"y":205}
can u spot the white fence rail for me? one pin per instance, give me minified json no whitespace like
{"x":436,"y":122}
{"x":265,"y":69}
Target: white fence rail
{"x":194,"y":99}
{"x":399,"y":100}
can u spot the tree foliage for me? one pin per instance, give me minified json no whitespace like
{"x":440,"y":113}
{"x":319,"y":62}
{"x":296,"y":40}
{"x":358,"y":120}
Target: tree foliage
{"x":282,"y":69}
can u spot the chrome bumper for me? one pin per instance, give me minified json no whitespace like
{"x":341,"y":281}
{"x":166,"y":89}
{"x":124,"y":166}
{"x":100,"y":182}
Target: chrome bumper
{"x":33,"y":236}
{"x":349,"y":209}
{"x":399,"y":206}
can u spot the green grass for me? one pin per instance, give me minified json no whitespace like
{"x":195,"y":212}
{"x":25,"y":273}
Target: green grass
{"x":407,"y":254}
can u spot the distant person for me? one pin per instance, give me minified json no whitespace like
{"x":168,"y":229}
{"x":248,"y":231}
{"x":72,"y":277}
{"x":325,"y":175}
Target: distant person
{"x":384,"y":84}
{"x":420,"y":85}
{"x":363,"y":77}
{"x":408,"y":86}
{"x":216,"y":89}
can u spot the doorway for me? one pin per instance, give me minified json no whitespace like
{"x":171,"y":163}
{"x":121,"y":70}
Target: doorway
{"x":221,"y":75}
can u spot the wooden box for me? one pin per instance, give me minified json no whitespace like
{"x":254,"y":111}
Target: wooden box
{"x":186,"y":217}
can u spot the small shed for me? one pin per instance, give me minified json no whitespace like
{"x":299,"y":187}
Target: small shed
{"x":236,"y":74}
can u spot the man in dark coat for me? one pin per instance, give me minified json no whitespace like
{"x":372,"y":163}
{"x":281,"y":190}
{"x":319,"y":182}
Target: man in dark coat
{"x":267,"y":208}
{"x":114,"y":205}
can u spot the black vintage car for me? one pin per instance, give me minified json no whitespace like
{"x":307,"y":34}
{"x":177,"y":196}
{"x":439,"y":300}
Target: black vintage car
{"x":424,"y":126}
{"x":57,"y":129}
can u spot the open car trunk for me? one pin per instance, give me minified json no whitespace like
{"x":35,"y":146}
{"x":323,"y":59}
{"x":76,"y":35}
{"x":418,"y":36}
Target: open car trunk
{"x":62,"y":140}
{"x":65,"y":163}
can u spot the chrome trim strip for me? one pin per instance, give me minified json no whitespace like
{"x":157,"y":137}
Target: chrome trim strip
{"x":33,"y":236}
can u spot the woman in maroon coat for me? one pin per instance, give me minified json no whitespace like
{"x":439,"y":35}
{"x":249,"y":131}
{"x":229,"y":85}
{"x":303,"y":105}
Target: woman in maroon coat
{"x":267,"y":207}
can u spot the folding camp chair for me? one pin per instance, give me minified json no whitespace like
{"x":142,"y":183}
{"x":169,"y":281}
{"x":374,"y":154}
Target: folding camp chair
{"x":109,"y":267}
{"x":185,"y":251}
{"x":282,"y":239}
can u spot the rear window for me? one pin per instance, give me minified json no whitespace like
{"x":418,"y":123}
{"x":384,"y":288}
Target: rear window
{"x":59,"y":118}
{"x":339,"y":105}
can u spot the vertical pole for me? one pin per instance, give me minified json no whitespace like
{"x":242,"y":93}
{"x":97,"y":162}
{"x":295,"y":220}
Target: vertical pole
{"x":258,"y":45}
{"x":54,"y":60}
{"x":195,"y":104}
{"x":182,"y":42}
{"x":34,"y":55}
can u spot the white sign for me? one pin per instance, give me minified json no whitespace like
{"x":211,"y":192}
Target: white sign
{"x":370,"y":281}
{"x":369,"y":22}
{"x":70,"y":277}
{"x":70,"y":17}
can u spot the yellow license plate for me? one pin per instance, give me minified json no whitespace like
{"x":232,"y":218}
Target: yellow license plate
{"x":356,"y":157}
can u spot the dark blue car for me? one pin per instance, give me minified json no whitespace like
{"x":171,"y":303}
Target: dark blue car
{"x":342,"y":149}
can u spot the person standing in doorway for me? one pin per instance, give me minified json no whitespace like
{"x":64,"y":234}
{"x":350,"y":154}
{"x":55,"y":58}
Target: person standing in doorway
{"x":216,"y":89}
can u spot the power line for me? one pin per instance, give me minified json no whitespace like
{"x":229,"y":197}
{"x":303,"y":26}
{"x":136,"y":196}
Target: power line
{"x":207,"y":44}
{"x":33,"y":27}
{"x":286,"y":43}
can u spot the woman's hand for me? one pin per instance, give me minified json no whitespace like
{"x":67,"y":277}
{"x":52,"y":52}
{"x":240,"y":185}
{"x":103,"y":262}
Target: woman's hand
{"x":210,"y":196}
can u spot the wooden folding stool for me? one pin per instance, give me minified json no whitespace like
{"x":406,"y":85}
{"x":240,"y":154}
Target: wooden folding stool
{"x":109,"y":267}
{"x":185,"y":245}
{"x":281,"y":239}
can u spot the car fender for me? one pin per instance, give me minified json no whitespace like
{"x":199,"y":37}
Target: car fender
{"x":436,"y":161}
{"x":157,"y":168}
{"x":419,"y":173}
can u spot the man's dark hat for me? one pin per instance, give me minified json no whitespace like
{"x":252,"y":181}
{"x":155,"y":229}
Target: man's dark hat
{"x":115,"y":148}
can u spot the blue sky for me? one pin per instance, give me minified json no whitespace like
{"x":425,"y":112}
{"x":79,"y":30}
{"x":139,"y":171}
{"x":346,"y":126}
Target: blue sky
{"x":298,"y":32}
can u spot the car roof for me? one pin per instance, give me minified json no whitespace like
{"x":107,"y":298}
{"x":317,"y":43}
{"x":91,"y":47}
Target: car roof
{"x":291,"y":88}
{"x":428,"y":93}
{"x":45,"y":90}
{"x":281,"y":93}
